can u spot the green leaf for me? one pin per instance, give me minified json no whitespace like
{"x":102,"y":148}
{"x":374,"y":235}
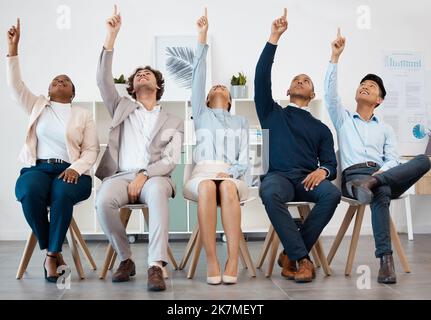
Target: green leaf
{"x":241,"y":80}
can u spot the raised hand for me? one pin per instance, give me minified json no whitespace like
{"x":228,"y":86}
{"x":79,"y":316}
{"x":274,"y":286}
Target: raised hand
{"x":337,"y":46}
{"x":278,"y":27}
{"x":13,"y":36}
{"x":202,"y":25}
{"x":113,"y":25}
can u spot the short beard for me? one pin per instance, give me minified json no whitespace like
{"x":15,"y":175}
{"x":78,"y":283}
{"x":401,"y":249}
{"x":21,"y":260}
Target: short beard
{"x":299,"y":96}
{"x":145,"y":88}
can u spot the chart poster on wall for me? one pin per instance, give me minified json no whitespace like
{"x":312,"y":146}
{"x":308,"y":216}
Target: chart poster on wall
{"x":174,"y":56}
{"x":404,"y":107}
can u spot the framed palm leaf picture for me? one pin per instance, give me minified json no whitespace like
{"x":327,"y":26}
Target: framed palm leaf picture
{"x":174,"y":57}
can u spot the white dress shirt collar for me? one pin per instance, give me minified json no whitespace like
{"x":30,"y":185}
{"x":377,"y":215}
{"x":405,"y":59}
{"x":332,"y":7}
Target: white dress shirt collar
{"x":307,"y":108}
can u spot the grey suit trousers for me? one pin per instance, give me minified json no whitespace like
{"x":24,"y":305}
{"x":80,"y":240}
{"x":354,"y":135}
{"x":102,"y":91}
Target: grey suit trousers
{"x":112,"y":195}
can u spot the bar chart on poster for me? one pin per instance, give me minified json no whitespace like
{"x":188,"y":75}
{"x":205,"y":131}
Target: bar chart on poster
{"x":405,"y":108}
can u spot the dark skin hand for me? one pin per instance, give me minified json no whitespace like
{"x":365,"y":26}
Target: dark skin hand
{"x":314,"y":178}
{"x":69,"y":176}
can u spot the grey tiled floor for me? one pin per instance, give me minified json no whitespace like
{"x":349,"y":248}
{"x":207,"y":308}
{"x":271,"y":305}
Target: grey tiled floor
{"x":416,"y":285}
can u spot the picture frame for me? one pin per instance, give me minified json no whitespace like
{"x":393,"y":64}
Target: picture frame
{"x":173,"y":56}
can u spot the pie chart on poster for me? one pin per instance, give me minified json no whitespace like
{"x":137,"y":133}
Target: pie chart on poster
{"x":419,"y":131}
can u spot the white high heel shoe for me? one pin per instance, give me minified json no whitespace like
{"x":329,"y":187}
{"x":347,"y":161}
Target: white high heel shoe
{"x":214,"y":280}
{"x":229,"y":279}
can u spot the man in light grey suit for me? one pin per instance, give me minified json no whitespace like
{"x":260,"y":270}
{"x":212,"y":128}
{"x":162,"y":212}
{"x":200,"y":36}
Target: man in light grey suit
{"x":143,"y":149}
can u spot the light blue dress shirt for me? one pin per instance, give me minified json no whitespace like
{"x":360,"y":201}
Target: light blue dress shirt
{"x":359,"y":140}
{"x":219,"y":134}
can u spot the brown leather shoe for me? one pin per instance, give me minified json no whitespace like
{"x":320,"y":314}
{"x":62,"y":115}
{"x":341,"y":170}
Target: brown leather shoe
{"x":156,"y":282}
{"x":305,"y":271}
{"x":360,"y":189}
{"x":289,"y":266}
{"x":387,"y":270}
{"x":124,"y":271}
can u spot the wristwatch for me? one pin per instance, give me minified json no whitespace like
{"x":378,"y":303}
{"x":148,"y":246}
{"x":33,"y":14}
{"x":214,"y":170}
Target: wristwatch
{"x":144,"y":171}
{"x":328,"y":173}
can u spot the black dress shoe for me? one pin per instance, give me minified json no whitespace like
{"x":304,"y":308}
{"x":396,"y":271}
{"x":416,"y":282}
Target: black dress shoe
{"x":387,"y":270}
{"x":360,"y":189}
{"x":52,"y":279}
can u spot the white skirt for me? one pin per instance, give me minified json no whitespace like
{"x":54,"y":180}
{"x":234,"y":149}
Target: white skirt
{"x":208,"y":170}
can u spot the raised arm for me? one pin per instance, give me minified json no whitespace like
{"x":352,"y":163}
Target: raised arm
{"x":20,"y":92}
{"x":332,"y":100}
{"x":262,"y":80}
{"x":105,"y":80}
{"x":240,"y":167}
{"x":200,"y":68}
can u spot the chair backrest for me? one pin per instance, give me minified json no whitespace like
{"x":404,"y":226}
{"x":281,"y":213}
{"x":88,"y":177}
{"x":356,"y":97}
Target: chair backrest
{"x":337,"y":181}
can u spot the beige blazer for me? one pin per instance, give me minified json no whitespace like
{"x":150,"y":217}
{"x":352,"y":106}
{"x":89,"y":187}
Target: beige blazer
{"x":82,"y":142}
{"x":166,"y":139}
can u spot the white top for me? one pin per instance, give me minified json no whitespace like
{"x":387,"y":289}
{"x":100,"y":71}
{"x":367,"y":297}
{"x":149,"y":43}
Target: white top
{"x":51,"y":131}
{"x":135,"y":140}
{"x":296,"y":106}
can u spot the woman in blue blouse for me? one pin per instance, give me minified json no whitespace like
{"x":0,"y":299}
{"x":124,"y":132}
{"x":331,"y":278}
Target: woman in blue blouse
{"x":221,"y":158}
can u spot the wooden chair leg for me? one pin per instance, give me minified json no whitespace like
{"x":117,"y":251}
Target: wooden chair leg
{"x":341,"y":232}
{"x":75,"y":254}
{"x":355,"y":238}
{"x":316,"y":258}
{"x":172,"y":258}
{"x":398,"y":247}
{"x":165,"y":272}
{"x":266,"y":245}
{"x":322,"y":257}
{"x":189,"y":247}
{"x":107,"y":262}
{"x":82,"y":244}
{"x":241,"y":257}
{"x":195,"y":259}
{"x":273,"y":254}
{"x":26,"y":256}
{"x":243,"y":248}
{"x":112,"y":260}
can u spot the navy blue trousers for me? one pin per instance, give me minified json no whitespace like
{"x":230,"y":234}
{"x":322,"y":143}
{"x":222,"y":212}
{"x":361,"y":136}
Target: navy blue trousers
{"x":276,"y":189}
{"x":394,"y":182}
{"x":38,"y":188}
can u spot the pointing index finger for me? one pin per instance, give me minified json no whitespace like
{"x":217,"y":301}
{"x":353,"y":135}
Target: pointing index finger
{"x":285,"y":13}
{"x":115,"y":9}
{"x":206,"y":12}
{"x":338,"y":32}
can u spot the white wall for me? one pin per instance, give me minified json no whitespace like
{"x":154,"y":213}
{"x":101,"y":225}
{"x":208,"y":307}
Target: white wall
{"x":239,"y":30}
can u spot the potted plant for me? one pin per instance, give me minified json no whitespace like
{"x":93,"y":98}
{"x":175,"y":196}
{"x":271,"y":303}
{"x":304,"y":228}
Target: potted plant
{"x":121,"y":86}
{"x":238,"y":88}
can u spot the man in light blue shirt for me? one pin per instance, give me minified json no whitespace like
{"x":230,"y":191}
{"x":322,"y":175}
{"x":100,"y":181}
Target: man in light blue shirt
{"x":369,"y":159}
